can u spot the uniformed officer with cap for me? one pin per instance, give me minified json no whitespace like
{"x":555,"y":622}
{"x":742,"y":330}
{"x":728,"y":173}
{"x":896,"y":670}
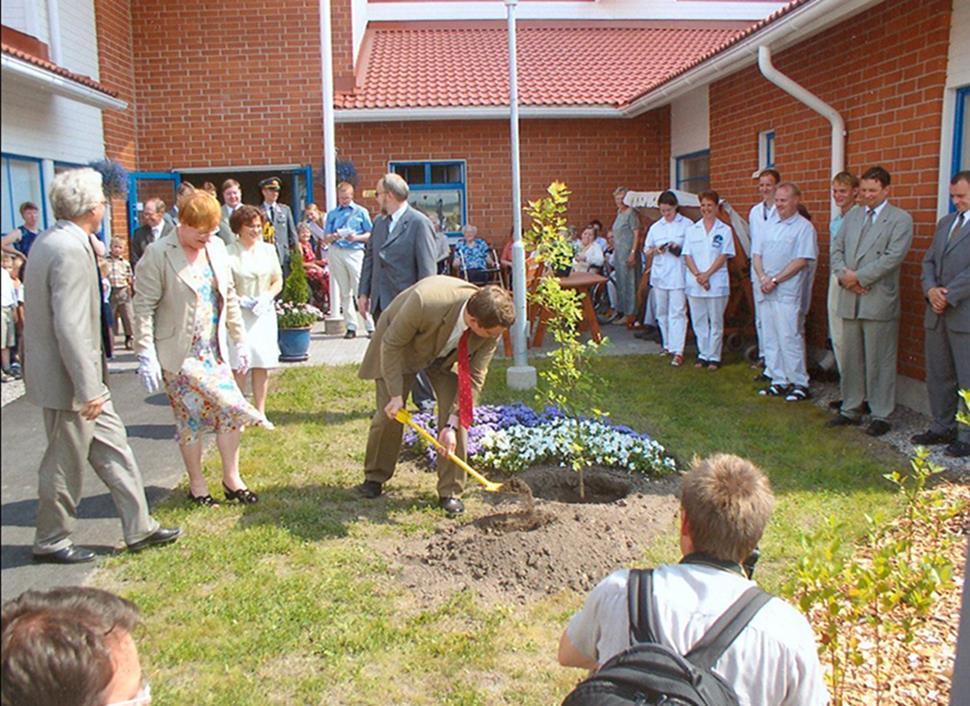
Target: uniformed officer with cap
{"x":280,"y":216}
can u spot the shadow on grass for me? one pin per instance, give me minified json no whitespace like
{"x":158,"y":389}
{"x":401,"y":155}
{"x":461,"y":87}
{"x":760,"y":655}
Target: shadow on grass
{"x":324,"y":511}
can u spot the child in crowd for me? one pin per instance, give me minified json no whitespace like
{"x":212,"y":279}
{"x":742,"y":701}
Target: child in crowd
{"x":8,"y":325}
{"x":120,"y":280}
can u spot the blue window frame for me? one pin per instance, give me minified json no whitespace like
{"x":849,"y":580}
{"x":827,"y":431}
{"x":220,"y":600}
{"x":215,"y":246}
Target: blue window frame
{"x":693,"y":173}
{"x":766,"y":150}
{"x":22,"y":180}
{"x":437,"y":189}
{"x":961,"y":131}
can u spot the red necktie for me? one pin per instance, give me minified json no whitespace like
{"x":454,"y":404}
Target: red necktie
{"x":466,"y":404}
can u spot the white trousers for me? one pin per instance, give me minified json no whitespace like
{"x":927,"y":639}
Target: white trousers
{"x":671,"y":309}
{"x":758,"y":298}
{"x":345,"y":267}
{"x":835,"y":323}
{"x":707,"y":316}
{"x":784,"y":343}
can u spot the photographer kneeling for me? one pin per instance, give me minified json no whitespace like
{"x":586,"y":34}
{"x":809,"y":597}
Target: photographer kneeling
{"x":725,"y":505}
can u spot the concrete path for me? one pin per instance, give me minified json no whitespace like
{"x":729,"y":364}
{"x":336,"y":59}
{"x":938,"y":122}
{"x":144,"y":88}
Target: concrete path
{"x":150,"y":431}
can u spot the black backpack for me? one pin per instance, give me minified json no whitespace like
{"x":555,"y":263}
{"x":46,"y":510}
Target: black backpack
{"x":649,"y":673}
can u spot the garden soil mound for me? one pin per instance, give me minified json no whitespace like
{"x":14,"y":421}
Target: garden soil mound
{"x":522,"y":549}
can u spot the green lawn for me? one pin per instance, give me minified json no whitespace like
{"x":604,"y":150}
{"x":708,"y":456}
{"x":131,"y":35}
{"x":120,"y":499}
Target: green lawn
{"x":293,"y":600}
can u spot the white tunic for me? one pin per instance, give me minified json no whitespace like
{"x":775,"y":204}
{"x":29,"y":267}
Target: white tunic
{"x":668,"y":270}
{"x":781,"y":243}
{"x":704,"y":248}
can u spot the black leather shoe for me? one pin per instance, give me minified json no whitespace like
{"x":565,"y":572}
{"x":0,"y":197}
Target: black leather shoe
{"x":68,"y":555}
{"x":163,"y":535}
{"x":842,"y":421}
{"x":350,"y":334}
{"x":930,"y":438}
{"x":453,"y":506}
{"x":958,"y":449}
{"x":877,"y":427}
{"x":370,"y":489}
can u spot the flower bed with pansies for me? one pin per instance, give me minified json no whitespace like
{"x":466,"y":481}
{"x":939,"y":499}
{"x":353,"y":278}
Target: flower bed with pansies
{"x":512,"y":438}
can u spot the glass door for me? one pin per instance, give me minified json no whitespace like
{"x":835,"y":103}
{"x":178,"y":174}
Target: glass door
{"x":149,"y":185}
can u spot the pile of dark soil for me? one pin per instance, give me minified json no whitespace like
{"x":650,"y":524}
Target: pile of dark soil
{"x":523,"y":550}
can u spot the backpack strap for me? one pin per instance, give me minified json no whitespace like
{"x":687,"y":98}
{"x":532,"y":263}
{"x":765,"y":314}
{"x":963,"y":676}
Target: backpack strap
{"x":727,"y":627}
{"x":639,"y":593}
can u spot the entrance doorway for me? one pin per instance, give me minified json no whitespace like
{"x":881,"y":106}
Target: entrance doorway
{"x":296,"y":183}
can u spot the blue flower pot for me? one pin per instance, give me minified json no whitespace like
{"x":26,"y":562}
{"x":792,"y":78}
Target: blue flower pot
{"x":294,"y":344}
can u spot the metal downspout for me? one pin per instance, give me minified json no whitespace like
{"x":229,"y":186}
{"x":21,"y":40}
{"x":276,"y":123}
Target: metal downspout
{"x":812,"y":101}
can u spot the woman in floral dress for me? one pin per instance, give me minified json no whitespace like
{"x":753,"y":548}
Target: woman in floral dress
{"x":473,"y":257}
{"x":186,"y":309}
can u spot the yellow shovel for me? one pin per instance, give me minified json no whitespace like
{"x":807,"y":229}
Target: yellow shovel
{"x":404,"y":417}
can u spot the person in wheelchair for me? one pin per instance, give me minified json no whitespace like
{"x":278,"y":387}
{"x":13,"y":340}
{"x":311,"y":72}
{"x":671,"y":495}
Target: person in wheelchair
{"x":589,"y":257}
{"x":473,"y":257}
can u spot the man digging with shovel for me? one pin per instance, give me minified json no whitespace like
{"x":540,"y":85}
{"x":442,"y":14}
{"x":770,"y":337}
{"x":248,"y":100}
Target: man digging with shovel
{"x":449,"y":328}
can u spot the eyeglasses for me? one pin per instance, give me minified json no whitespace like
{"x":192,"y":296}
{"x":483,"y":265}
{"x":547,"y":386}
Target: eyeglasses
{"x":142,"y":698}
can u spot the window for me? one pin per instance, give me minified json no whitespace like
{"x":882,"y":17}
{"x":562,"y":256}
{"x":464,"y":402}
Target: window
{"x":437,"y":190}
{"x":961,"y":131}
{"x":694,"y":171}
{"x":766,"y":150}
{"x":22,"y":180}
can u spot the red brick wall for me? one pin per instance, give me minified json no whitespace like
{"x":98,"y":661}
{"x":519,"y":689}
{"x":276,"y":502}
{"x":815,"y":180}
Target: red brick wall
{"x":233,"y":83}
{"x":884,"y":71}
{"x":592,"y":156}
{"x":113,"y":20}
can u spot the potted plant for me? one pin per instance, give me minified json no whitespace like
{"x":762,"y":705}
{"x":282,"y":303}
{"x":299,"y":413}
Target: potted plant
{"x":294,"y":313}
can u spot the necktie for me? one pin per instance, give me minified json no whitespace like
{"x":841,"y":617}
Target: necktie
{"x":957,"y":225}
{"x":764,"y":208}
{"x":870,"y":216}
{"x":466,"y":404}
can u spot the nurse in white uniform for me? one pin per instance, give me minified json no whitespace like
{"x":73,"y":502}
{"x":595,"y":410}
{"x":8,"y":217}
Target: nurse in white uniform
{"x":708,"y":245}
{"x":665,"y":244}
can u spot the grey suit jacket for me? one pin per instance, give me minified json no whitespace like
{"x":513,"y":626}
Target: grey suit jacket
{"x":142,"y":238}
{"x":62,"y":329}
{"x":285,"y":230}
{"x":395,"y":260}
{"x":876,"y":259}
{"x":947,"y":264}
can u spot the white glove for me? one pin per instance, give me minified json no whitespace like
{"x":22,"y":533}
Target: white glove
{"x":248,"y":302}
{"x":150,"y":371}
{"x":242,"y":359}
{"x":264,"y":305}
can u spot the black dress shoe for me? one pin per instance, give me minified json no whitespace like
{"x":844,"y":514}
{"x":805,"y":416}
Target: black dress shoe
{"x":877,"y":427}
{"x":958,"y":449}
{"x":930,"y":438}
{"x":370,"y":489}
{"x":163,"y":535}
{"x":835,"y":405}
{"x":350,"y":333}
{"x":842,"y":421}
{"x":453,"y":506}
{"x":68,"y":555}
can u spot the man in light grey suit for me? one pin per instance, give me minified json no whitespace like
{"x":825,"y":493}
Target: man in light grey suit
{"x":866,"y":256}
{"x":946,"y":286}
{"x":280,"y":215}
{"x":66,"y":377}
{"x":401,"y":250}
{"x":232,"y":199}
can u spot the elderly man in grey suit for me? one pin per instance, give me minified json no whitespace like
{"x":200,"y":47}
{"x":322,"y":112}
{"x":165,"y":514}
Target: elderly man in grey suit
{"x":66,"y":377}
{"x":154,"y":227}
{"x":866,"y":256}
{"x":401,"y":249}
{"x":946,"y":286}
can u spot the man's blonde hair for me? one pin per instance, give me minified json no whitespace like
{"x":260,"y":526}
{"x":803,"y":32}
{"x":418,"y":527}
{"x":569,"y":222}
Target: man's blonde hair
{"x":727,"y":501}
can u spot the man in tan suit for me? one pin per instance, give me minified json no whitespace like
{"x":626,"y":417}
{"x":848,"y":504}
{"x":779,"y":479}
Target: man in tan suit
{"x":866,"y":257}
{"x":425,"y":328}
{"x":66,"y":377}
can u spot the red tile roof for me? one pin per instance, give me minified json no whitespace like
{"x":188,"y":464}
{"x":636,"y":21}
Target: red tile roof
{"x":731,"y":41}
{"x":55,"y":69}
{"x":422,"y":65}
